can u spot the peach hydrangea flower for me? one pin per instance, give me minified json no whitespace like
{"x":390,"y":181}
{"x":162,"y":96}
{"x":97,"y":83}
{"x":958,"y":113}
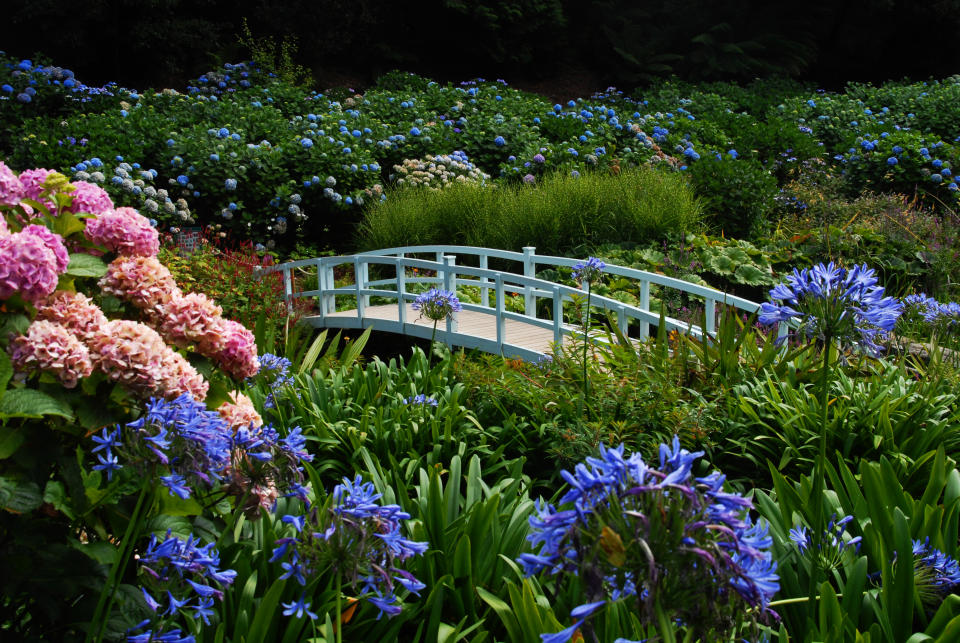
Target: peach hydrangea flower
{"x":134,"y":355}
{"x":74,"y":311}
{"x":52,"y":348}
{"x":124,"y":231}
{"x":191,"y":319}
{"x":143,"y":281}
{"x":239,"y":412}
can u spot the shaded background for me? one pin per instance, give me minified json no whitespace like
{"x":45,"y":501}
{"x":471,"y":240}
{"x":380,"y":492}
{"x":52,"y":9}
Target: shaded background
{"x":539,"y":43}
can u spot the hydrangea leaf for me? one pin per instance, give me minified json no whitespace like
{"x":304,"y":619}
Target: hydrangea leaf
{"x":31,"y":403}
{"x":66,"y":224}
{"x":84,"y":265}
{"x":10,"y":441}
{"x":19,"y":497}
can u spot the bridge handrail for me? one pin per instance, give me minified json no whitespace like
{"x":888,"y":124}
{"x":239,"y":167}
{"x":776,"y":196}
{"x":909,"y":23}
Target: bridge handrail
{"x":449,"y":275}
{"x":529,"y":257}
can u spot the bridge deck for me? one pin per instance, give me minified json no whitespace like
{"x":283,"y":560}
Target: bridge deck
{"x":470,"y":323}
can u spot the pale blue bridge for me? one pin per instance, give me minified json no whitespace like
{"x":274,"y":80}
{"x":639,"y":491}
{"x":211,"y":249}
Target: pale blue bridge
{"x":487,"y":325}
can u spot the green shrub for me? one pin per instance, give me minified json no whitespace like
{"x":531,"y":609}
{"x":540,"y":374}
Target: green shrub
{"x":560,"y":214}
{"x":738,"y":194}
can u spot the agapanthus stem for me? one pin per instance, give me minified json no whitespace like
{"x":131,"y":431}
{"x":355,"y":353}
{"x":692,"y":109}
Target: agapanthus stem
{"x":339,"y":589}
{"x":664,"y":624}
{"x":433,"y":336}
{"x":102,"y":612}
{"x":586,"y":339}
{"x":819,"y":475}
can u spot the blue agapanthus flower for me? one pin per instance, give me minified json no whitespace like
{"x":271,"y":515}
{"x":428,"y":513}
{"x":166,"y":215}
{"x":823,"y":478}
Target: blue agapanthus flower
{"x":420,"y":399}
{"x":655,"y":535}
{"x":589,"y":271}
{"x":935,"y":573}
{"x":437,"y":304}
{"x":355,"y":536}
{"x":831,"y":302}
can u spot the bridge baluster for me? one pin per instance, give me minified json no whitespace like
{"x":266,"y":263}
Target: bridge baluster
{"x":500,"y":319}
{"x":644,"y":305}
{"x":557,"y":316}
{"x":401,"y":290}
{"x":709,"y":323}
{"x":288,"y":289}
{"x":484,"y":290}
{"x":529,"y":270}
{"x":359,"y":285}
{"x":450,"y":283}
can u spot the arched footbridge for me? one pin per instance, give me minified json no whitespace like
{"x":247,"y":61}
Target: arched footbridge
{"x":386,"y":282}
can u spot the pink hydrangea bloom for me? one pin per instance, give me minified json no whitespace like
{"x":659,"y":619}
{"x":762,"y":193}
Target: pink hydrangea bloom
{"x":134,"y":355}
{"x":124,"y":231}
{"x":73,"y":311}
{"x":239,"y":413}
{"x":11,"y":190}
{"x":179,"y":377}
{"x":89,"y":198}
{"x":191,"y":319}
{"x":53,"y":348}
{"x":53,"y":241}
{"x":27,"y":266}
{"x":32,"y":182}
{"x":143,"y":281}
{"x":239,"y":354}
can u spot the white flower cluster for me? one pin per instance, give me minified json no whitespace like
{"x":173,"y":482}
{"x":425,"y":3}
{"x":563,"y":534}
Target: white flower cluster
{"x":437,"y":172}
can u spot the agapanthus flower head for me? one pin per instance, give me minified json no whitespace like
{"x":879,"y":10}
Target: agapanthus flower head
{"x":187,"y":578}
{"x":420,"y":399}
{"x":835,"y":542}
{"x":355,"y":536}
{"x":657,"y":535}
{"x":29,"y":266}
{"x":264,"y":465}
{"x":935,"y":573}
{"x":589,"y":271}
{"x":11,"y":189}
{"x":275,"y":371}
{"x":124,"y":231}
{"x":74,"y":311}
{"x":437,"y":304}
{"x":143,"y":281}
{"x":831,"y":302}
{"x":89,"y":198}
{"x":51,"y":348}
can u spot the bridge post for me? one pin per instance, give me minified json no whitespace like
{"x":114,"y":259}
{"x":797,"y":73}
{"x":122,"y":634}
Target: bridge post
{"x":360,"y":283}
{"x":557,"y":316}
{"x":288,"y":289}
{"x":529,"y":270}
{"x":709,"y":322}
{"x":500,"y":319}
{"x":484,"y":289}
{"x":401,"y":290}
{"x":450,"y":284}
{"x":645,"y":305}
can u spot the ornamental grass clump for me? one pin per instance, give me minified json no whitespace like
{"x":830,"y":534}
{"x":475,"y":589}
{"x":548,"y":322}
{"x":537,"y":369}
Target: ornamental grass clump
{"x":355,"y":540}
{"x":681,"y":549}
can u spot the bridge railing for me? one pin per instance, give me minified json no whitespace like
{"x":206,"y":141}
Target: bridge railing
{"x":531,"y":262}
{"x":450,"y":275}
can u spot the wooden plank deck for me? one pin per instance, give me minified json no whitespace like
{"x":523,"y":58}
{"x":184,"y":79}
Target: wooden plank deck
{"x":469,"y":323}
